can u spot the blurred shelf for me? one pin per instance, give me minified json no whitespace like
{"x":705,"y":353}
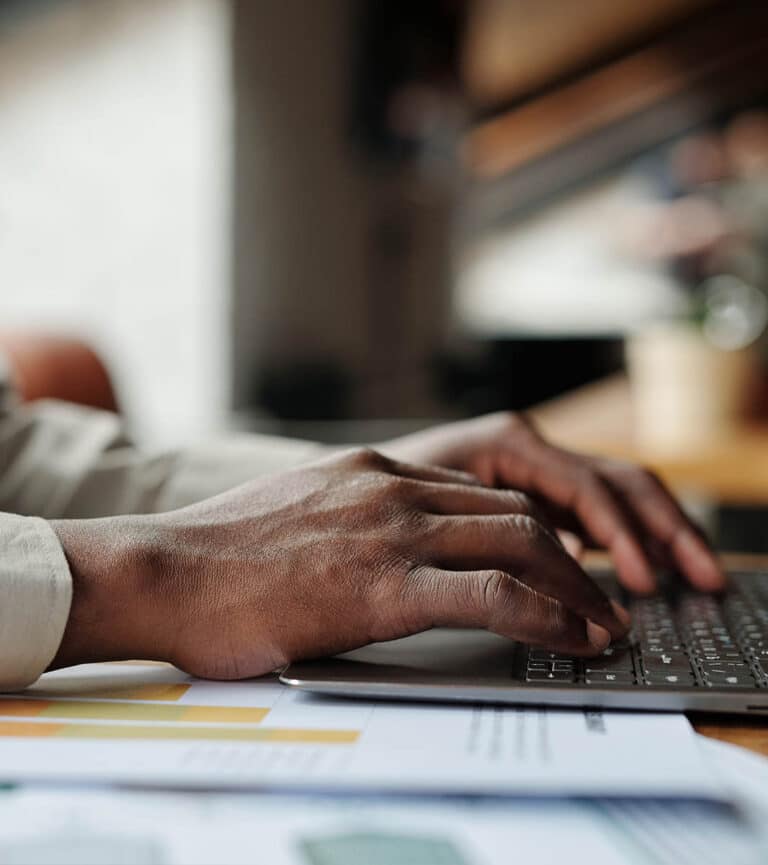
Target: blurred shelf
{"x":589,"y":124}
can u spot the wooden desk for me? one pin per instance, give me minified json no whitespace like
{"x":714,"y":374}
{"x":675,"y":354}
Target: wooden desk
{"x":752,"y":734}
{"x":598,"y":419}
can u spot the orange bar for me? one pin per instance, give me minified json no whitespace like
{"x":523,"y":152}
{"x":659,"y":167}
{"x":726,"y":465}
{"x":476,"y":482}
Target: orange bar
{"x":29,"y":708}
{"x":182,"y":732}
{"x":29,"y":729}
{"x":83,"y":687}
{"x":114,"y":710}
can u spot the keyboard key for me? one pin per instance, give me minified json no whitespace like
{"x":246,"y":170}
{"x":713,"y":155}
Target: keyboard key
{"x":723,"y":666}
{"x":673,"y":662}
{"x":669,"y":680}
{"x":558,"y":676}
{"x":682,"y":640}
{"x":741,"y":680}
{"x":720,"y":656}
{"x":540,"y":665}
{"x":563,"y":665}
{"x":618,"y":661}
{"x":599,"y":677}
{"x":617,"y":650}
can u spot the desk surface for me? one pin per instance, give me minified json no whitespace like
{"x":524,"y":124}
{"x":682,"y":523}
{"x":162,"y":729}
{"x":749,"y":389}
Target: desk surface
{"x":598,"y":419}
{"x":750,"y":734}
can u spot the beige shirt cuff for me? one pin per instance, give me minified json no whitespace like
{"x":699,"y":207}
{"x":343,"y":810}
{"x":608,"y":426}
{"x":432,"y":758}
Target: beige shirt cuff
{"x":35,"y":597}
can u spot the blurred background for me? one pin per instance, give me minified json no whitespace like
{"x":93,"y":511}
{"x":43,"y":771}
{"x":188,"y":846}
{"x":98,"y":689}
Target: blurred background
{"x":344,"y":219}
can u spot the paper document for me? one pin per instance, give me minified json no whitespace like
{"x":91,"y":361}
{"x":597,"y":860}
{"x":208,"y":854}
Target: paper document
{"x":152,"y":725}
{"x":60,"y":827}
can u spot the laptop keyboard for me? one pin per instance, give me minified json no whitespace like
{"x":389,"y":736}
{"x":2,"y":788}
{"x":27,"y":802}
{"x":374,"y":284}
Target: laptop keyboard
{"x":678,"y":640}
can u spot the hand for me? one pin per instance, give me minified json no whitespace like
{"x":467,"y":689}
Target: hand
{"x":351,"y":550}
{"x":610,"y":504}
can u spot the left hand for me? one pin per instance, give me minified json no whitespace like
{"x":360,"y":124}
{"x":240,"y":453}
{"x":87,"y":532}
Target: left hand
{"x":615,"y":505}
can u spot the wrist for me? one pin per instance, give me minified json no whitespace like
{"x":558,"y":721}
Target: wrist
{"x":117,"y":611}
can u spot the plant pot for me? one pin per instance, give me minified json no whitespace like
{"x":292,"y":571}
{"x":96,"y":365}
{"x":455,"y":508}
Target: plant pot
{"x":686,"y":392}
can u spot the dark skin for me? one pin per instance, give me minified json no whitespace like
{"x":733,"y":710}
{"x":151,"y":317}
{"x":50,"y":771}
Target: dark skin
{"x":362,"y":547}
{"x":609,"y":504}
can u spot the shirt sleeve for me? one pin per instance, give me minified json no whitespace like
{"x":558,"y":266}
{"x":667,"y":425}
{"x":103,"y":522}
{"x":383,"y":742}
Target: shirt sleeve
{"x":61,"y":461}
{"x":35,"y":596}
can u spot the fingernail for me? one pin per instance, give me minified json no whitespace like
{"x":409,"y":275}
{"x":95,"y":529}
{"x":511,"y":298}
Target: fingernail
{"x":573,"y":545}
{"x":597,"y":635}
{"x":622,"y":614}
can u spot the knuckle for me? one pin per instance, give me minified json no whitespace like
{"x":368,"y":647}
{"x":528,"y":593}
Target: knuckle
{"x":467,"y":478}
{"x":556,"y":623}
{"x":514,"y":420}
{"x":545,"y":617}
{"x":494,"y":590}
{"x":416,"y":523}
{"x":396,"y":493}
{"x":515,"y":425}
{"x":590,"y":487}
{"x":397,"y":503}
{"x":633,"y":472}
{"x":522,"y":503}
{"x":368,"y":458}
{"x":586,"y":475}
{"x":528,"y":528}
{"x":397,"y":486}
{"x":391,"y":597}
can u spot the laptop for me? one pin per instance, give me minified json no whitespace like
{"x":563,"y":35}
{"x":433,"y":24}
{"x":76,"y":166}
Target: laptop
{"x":687,"y":651}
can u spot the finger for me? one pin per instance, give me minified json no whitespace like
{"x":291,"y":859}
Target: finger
{"x":446,"y":499}
{"x":576,"y":537}
{"x":498,"y":602}
{"x":522,"y":547}
{"x":572,"y":484}
{"x":462,"y":499}
{"x":667,"y":525}
{"x":431,"y":474}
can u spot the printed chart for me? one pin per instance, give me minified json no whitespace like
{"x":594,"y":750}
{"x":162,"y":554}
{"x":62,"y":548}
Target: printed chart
{"x":152,"y":725}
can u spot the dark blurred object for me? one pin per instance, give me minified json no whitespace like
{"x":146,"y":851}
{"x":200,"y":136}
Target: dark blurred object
{"x":683,"y":64}
{"x":305,"y":391}
{"x":341,"y":232}
{"x":742,"y":527}
{"x":44,"y":366}
{"x":405,"y":74}
{"x":516,"y":374}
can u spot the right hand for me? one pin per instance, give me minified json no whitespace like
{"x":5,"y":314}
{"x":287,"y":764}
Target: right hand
{"x":355,"y":549}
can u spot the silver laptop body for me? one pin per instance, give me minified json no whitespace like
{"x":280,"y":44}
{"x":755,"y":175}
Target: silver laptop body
{"x":687,"y":651}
